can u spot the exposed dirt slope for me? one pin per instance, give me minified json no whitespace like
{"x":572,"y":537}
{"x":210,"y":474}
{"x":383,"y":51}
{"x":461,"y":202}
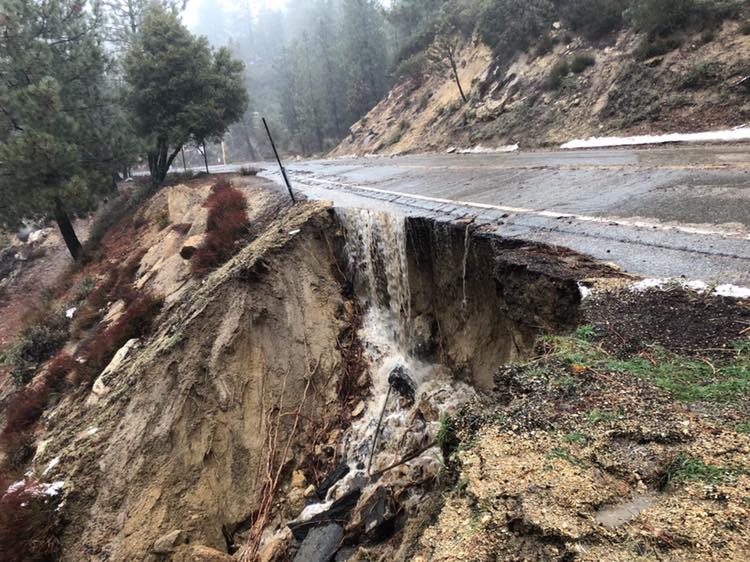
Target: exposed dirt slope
{"x":690,"y":89}
{"x":181,"y":433}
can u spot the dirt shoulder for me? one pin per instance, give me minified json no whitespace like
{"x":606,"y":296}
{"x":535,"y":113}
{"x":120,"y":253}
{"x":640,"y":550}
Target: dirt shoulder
{"x":627,"y":440}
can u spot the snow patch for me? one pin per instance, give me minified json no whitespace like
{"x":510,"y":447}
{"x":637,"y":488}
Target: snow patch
{"x":479,"y":149}
{"x":52,"y":489}
{"x":52,"y":464}
{"x":70,"y":312}
{"x":733,"y":291}
{"x":725,"y":290}
{"x":727,"y":135}
{"x":585,"y":291}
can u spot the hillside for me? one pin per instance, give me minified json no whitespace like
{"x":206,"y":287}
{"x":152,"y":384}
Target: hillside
{"x":564,"y":87}
{"x":360,"y":384}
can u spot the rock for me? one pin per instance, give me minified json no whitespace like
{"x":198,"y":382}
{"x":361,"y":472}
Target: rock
{"x":200,"y":553}
{"x":402,"y":383}
{"x":358,"y":409}
{"x":346,"y":553}
{"x":424,"y":335}
{"x":341,"y":470}
{"x":275,"y":550}
{"x":100,"y":387}
{"x":190,"y":246}
{"x":340,"y":511}
{"x":168,"y":543}
{"x":375,"y":514}
{"x":180,"y":198}
{"x":310,"y":491}
{"x":320,"y":544}
{"x":451,"y":150}
{"x":298,"y":479}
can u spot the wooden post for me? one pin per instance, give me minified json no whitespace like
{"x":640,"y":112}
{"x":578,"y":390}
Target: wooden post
{"x":278,"y":159}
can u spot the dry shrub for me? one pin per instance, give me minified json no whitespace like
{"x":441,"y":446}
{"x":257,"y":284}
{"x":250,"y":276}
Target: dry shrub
{"x":58,"y":369}
{"x":23,"y":412}
{"x":117,"y":285}
{"x":227,"y":222}
{"x":135,"y":322}
{"x":28,"y":525}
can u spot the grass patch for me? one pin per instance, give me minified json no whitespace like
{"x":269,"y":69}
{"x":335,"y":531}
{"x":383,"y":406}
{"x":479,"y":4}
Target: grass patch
{"x":687,"y":379}
{"x":563,"y":454}
{"x":743,"y":427}
{"x":577,"y":437}
{"x":685,"y":468}
{"x":602,"y":416}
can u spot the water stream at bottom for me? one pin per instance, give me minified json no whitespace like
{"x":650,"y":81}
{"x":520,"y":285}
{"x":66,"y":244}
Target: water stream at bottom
{"x":408,"y":397}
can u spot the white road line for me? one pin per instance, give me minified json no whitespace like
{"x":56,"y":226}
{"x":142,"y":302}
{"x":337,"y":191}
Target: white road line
{"x":533,"y":212}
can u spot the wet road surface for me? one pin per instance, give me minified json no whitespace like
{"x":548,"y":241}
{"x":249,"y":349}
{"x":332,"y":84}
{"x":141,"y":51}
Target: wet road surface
{"x":655,"y":212}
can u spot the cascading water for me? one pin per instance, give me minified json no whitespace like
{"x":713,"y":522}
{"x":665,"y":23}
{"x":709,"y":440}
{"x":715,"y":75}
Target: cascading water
{"x":393,"y":426}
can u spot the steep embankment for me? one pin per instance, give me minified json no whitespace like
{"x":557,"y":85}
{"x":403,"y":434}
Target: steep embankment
{"x":531,"y":101}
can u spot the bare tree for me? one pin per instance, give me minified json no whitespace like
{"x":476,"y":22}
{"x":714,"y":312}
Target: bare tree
{"x":445,"y":47}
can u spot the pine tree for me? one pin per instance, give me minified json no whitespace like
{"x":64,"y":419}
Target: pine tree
{"x":62,"y":136}
{"x":180,"y":90}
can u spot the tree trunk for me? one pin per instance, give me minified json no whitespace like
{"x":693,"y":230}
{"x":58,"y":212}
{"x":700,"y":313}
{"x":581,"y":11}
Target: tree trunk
{"x":455,"y":73}
{"x":205,"y":157}
{"x":160,"y":161}
{"x":66,"y":230}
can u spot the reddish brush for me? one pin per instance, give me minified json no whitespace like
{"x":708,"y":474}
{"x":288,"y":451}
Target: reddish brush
{"x":28,"y":524}
{"x":23,"y":412}
{"x":135,"y":322}
{"x":58,"y":370}
{"x":227,"y":222}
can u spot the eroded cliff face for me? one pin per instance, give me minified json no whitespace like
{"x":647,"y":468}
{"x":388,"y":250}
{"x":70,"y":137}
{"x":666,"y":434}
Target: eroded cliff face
{"x":223,"y":426}
{"x":180,"y":439}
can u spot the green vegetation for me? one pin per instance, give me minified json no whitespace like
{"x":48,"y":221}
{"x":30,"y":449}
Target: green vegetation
{"x":577,"y":437}
{"x":564,"y":454}
{"x":743,"y":427}
{"x":581,"y":62}
{"x":45,"y":330}
{"x":602,"y":416}
{"x":686,"y":378}
{"x":700,"y":75}
{"x":62,"y":133}
{"x":173,"y":104}
{"x":558,"y":73}
{"x":685,"y":468}
{"x":594,"y":19}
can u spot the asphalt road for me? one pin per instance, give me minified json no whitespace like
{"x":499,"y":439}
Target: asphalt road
{"x":657,"y":212}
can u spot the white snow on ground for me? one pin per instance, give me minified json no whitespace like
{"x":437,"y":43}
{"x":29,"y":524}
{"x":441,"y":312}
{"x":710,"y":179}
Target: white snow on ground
{"x":52,"y":489}
{"x":479,"y":149}
{"x":52,"y":464}
{"x":585,"y":291}
{"x":725,"y":290}
{"x":70,"y":312}
{"x":733,"y":291}
{"x":735,"y":134}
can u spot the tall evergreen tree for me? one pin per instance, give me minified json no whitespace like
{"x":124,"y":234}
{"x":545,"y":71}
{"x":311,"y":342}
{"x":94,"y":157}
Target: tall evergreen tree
{"x":62,"y":136}
{"x":180,"y":90}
